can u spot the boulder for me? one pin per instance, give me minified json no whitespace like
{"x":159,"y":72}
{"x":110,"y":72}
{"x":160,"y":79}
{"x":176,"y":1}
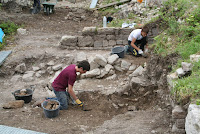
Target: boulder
{"x":125,"y":65}
{"x":89,"y":31}
{"x":14,"y":104}
{"x":57,"y":67}
{"x":194,"y":58}
{"x":112,"y":59}
{"x":192,"y":123}
{"x":186,"y":66}
{"x":21,"y":68}
{"x":86,"y":41}
{"x":137,"y":72}
{"x":81,"y":56}
{"x":92,"y":73}
{"x":67,"y":40}
{"x":99,"y":59}
{"x":180,"y":72}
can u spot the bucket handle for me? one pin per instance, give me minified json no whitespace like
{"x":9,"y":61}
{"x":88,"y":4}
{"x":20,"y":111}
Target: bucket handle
{"x":32,"y":87}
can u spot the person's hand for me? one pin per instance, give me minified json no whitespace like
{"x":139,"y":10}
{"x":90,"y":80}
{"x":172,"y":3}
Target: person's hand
{"x":79,"y":102}
{"x":146,"y":50}
{"x":140,"y":52}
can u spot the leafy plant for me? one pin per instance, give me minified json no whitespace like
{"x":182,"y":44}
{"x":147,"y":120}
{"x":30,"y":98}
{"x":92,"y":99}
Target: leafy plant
{"x":9,"y":28}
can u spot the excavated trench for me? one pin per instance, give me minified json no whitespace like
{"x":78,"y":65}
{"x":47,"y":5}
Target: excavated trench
{"x":117,"y":106}
{"x":105,"y":98}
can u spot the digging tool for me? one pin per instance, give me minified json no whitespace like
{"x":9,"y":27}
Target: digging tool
{"x":85,"y":108}
{"x":144,"y":55}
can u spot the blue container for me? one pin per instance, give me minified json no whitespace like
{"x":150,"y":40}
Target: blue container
{"x":48,"y":112}
{"x":119,"y":51}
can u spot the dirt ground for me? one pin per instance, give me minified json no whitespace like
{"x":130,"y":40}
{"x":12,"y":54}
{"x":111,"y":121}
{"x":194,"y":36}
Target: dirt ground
{"x":44,"y":32}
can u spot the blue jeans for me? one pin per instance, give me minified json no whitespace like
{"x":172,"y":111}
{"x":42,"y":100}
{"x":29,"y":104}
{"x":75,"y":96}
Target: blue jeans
{"x":63,"y":98}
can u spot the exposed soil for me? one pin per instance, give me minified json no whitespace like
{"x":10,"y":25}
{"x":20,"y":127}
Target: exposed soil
{"x":111,"y":111}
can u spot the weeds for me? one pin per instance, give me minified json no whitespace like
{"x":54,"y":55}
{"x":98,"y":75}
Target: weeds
{"x":186,"y":38}
{"x":9,"y":28}
{"x":188,"y":86}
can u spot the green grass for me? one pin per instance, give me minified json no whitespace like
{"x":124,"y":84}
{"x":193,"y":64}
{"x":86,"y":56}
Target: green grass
{"x":9,"y":28}
{"x":184,"y":39}
{"x":188,"y":86}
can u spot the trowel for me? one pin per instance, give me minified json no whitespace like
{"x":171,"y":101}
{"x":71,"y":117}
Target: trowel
{"x":85,"y":108}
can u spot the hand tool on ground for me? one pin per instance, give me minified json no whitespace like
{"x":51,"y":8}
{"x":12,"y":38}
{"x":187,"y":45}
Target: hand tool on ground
{"x":86,"y":108}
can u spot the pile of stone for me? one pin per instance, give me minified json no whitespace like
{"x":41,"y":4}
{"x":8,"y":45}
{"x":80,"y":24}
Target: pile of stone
{"x":36,"y":72}
{"x":107,"y":66}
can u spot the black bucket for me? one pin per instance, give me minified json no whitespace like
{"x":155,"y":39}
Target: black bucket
{"x":27,"y":98}
{"x":119,"y":51}
{"x":50,"y":113}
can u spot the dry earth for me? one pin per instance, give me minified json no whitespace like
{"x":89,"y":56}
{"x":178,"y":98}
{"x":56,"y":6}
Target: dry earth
{"x":44,"y":32}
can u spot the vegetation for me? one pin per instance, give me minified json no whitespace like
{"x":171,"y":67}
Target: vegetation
{"x":181,"y":34}
{"x":9,"y":28}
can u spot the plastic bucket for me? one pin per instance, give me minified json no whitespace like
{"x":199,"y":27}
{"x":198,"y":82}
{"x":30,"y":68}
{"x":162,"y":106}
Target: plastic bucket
{"x":119,"y":51}
{"x":48,"y":112}
{"x":27,"y":98}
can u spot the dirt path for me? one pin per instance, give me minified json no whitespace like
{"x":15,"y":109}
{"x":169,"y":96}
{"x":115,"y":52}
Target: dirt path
{"x":44,"y":32}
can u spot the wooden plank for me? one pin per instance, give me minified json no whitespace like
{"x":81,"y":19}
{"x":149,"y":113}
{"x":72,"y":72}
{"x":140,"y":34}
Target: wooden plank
{"x":93,"y":3}
{"x":4,"y":55}
{"x":114,"y":3}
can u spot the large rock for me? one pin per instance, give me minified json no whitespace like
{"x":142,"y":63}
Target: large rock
{"x":13,"y":104}
{"x":171,"y":78}
{"x":108,"y":67}
{"x":28,"y":76}
{"x":89,"y":31}
{"x":125,"y":65}
{"x":139,"y":71}
{"x":138,"y":81}
{"x":186,"y":66}
{"x":106,"y":31}
{"x":180,"y":72}
{"x":112,"y":59}
{"x":67,"y":40}
{"x":178,"y":112}
{"x":93,"y":64}
{"x":21,"y":68}
{"x":85,"y":41}
{"x":81,"y":56}
{"x":99,"y":59}
{"x":194,"y":58}
{"x":192,"y":123}
{"x":92,"y":73}
{"x":57,"y":67}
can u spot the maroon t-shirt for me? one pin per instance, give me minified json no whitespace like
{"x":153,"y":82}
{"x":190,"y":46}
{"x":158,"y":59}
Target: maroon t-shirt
{"x":67,"y":76}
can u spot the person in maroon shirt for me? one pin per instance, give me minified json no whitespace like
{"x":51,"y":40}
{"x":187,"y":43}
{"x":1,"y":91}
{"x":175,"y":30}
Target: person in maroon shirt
{"x":65,"y":80}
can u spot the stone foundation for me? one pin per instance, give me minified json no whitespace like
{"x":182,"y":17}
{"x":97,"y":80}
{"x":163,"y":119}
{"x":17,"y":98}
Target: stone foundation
{"x":98,"y":38}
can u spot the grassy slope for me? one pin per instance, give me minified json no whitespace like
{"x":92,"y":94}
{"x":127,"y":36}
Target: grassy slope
{"x":182,"y":36}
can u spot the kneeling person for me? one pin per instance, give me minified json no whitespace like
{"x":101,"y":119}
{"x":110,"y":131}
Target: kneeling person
{"x":66,"y":79}
{"x":137,"y":40}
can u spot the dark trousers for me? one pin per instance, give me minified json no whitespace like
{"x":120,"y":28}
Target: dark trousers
{"x":37,"y":3}
{"x":139,"y":43}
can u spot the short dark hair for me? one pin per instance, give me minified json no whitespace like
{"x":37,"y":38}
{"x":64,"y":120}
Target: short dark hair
{"x":145,"y":29}
{"x":84,"y":64}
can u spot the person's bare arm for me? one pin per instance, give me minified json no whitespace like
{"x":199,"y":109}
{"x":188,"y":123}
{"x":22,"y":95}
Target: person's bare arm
{"x":71,"y":92}
{"x":133,"y":44}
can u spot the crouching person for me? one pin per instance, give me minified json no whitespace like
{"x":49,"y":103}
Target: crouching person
{"x":63,"y":84}
{"x":137,"y":41}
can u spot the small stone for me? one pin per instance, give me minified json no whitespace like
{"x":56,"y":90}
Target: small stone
{"x":132,"y":108}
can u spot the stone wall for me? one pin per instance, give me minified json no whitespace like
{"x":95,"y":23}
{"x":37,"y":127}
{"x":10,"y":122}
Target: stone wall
{"x":19,"y":2}
{"x":98,"y":38}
